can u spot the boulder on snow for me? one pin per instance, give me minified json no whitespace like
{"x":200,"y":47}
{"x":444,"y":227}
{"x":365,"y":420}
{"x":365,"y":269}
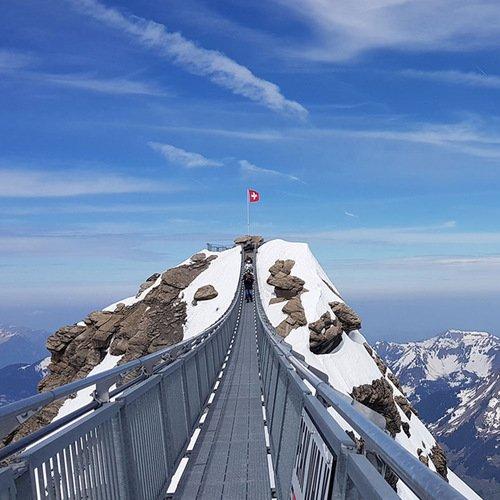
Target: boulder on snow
{"x":198,"y":257}
{"x":347,"y":316}
{"x":296,"y":317}
{"x":439,"y":460}
{"x":207,"y":292}
{"x":327,"y":341}
{"x":378,"y":396}
{"x":324,"y":322}
{"x":285,"y":285}
{"x":283,"y":266}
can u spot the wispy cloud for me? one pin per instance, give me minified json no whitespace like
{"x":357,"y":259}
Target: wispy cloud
{"x":219,"y":68}
{"x":182,"y":157}
{"x":350,"y":214}
{"x":344,"y":29}
{"x":441,"y":234}
{"x":469,"y":79}
{"x":13,"y":60}
{"x":101,"y":85}
{"x":36,"y":184}
{"x":250,"y":168}
{"x":462,"y":137}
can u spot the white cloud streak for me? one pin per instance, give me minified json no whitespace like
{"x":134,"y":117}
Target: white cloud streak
{"x":442,"y":234}
{"x":182,"y":157}
{"x":102,"y":85}
{"x":350,"y":214}
{"x":219,"y":68}
{"x":36,"y":184}
{"x":469,"y":79}
{"x":251,"y":169}
{"x":344,"y":29}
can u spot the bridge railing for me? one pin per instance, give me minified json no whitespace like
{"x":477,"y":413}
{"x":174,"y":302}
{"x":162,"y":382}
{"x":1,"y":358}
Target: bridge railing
{"x":130,"y":446}
{"x":311,"y":452}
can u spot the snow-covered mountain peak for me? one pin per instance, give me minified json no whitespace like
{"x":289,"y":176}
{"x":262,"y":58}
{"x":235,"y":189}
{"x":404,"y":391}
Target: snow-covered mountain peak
{"x":453,"y":355}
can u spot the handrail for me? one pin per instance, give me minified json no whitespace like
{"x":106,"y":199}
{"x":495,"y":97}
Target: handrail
{"x":425,"y":483}
{"x":16,"y":413}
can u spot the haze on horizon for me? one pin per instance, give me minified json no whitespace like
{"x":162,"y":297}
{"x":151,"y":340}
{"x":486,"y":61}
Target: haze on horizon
{"x":130,"y":132}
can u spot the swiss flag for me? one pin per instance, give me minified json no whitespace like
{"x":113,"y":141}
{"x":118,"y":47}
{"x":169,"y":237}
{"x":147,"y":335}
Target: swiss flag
{"x":253,"y":196}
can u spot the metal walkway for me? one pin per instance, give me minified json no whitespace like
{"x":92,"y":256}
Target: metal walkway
{"x":229,"y":459}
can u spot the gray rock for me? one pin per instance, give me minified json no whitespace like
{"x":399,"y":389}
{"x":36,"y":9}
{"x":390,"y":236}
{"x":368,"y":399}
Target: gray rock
{"x":207,"y":292}
{"x":276,"y":300}
{"x":439,"y":460}
{"x":327,"y":341}
{"x":147,"y":284}
{"x":378,"y":396}
{"x":198,"y":257}
{"x":348,"y":318}
{"x":324,"y":322}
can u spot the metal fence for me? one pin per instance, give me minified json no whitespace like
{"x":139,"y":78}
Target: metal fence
{"x":312,"y":455}
{"x":128,"y":448}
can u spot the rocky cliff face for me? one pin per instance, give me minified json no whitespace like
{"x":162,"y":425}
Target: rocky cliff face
{"x":140,"y":325}
{"x":454,"y":382}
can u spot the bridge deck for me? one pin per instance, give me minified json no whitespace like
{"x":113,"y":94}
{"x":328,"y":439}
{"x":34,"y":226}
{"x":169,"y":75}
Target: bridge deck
{"x":229,"y":458}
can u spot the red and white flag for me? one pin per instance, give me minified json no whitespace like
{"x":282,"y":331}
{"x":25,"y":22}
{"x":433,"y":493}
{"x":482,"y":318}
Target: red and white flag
{"x":253,"y":196}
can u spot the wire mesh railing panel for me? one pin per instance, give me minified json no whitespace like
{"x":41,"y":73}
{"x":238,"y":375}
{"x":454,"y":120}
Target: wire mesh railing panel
{"x":144,"y":440}
{"x":175,"y":420}
{"x":192,"y":388}
{"x":290,"y":435}
{"x":78,"y":462}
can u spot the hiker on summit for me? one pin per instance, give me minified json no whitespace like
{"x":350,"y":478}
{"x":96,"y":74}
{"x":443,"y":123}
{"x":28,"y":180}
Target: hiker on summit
{"x":248,"y":280}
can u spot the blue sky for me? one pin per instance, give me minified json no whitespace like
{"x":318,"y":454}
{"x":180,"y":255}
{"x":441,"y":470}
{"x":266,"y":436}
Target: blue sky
{"x":130,"y":130}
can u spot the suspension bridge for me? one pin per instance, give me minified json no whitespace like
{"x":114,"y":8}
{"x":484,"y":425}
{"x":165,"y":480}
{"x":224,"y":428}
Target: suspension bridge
{"x":231,"y":413}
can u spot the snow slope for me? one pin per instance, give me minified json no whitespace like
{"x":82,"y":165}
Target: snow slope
{"x":349,"y":365}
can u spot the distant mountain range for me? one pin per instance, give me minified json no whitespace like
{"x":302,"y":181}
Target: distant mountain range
{"x":21,"y":345}
{"x":453,"y":381}
{"x":20,"y":380}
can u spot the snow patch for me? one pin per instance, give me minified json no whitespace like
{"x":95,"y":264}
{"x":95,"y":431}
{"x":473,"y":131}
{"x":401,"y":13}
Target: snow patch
{"x":223,"y":274}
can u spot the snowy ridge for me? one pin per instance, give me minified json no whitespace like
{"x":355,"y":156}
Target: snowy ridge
{"x":222,"y":273}
{"x":350,"y":364}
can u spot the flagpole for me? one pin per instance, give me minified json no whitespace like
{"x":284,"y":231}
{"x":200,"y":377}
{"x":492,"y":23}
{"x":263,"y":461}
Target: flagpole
{"x":248,"y":212}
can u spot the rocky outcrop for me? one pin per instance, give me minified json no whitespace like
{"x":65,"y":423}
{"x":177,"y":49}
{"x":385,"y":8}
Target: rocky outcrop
{"x":287,"y":289}
{"x":395,"y":380}
{"x":207,"y":292}
{"x":249,"y":242}
{"x":439,"y":460}
{"x":406,"y":406}
{"x":148,"y":283}
{"x":150,"y":324}
{"x":378,"y":396}
{"x":285,"y":285}
{"x":296,"y":317}
{"x":325,"y":334}
{"x":347,"y":316}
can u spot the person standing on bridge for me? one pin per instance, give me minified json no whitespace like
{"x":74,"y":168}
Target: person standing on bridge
{"x":248,"y":280}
